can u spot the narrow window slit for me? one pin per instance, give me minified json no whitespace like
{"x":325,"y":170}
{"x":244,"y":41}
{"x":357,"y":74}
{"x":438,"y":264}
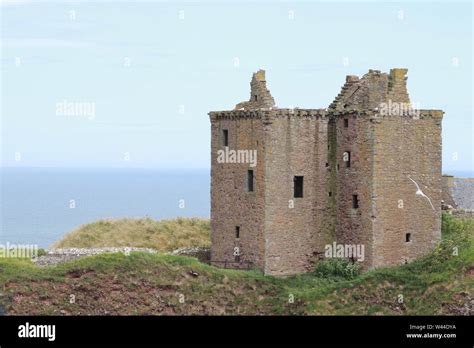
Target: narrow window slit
{"x":298,"y":186}
{"x":250,"y":180}
{"x":355,"y":201}
{"x":225,"y":137}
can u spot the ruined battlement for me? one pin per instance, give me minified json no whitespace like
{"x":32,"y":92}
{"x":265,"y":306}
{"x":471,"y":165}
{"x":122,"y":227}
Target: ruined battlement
{"x":262,"y":113}
{"x":372,"y":90}
{"x":323,"y":113}
{"x":260,"y":96}
{"x":420,"y":114}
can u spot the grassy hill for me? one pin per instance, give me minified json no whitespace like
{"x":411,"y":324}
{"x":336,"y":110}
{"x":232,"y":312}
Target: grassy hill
{"x":164,"y":235}
{"x":440,"y":283}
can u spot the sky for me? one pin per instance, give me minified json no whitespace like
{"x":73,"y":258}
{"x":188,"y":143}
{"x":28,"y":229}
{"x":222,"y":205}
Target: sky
{"x":146,"y":73}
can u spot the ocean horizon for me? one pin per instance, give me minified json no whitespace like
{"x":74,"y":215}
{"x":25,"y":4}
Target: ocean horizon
{"x":39,"y":205}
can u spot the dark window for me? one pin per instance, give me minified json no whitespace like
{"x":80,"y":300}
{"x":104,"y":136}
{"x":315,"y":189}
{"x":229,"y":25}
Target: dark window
{"x":237,"y":231}
{"x":346,"y":122}
{"x":250,"y":180}
{"x":355,"y":201}
{"x":237,"y":258}
{"x":225,"y":137}
{"x":298,"y":186}
{"x":327,"y":164}
{"x":255,"y":97}
{"x":337,"y":166}
{"x":408,"y":237}
{"x":330,"y":194}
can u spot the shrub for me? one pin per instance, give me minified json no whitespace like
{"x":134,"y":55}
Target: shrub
{"x":456,"y":228}
{"x":337,"y":267}
{"x":456,"y":236}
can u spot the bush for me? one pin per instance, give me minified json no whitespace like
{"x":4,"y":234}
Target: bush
{"x":457,"y":236}
{"x":337,"y":267}
{"x":457,"y":228}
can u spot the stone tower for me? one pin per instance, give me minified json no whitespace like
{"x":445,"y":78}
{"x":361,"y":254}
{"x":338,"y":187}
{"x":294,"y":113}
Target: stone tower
{"x":345,"y":175}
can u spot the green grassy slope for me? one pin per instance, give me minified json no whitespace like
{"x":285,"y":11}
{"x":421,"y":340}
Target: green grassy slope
{"x":164,"y":235}
{"x":440,"y":283}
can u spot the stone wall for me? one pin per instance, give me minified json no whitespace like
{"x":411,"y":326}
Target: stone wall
{"x":295,"y":145}
{"x":352,"y":134}
{"x":447,"y":185}
{"x":260,"y":97}
{"x":373,"y":89}
{"x":462,"y":213}
{"x":231,"y":204}
{"x":458,"y":192}
{"x":406,"y":147}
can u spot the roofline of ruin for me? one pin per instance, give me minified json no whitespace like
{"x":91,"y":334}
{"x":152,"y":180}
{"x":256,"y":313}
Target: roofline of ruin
{"x":319,"y":113}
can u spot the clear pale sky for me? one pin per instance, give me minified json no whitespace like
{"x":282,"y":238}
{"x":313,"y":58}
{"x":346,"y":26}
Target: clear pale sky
{"x":154,"y":69}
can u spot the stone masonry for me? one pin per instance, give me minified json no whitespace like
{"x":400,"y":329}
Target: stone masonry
{"x":366,"y":171}
{"x":458,"y":192}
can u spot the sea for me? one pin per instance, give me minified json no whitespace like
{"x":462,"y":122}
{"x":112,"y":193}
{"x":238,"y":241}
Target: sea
{"x":40,"y":205}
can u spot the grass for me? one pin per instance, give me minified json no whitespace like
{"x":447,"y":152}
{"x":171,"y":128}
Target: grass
{"x":440,"y":283}
{"x":165,"y":235}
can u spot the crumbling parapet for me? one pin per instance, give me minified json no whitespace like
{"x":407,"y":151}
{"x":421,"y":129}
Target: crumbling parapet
{"x":397,"y":86}
{"x":260,"y":96}
{"x":372,"y":91}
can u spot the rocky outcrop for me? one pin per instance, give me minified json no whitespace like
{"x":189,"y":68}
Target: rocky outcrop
{"x":56,"y":256}
{"x":458,"y":192}
{"x":202,"y":254}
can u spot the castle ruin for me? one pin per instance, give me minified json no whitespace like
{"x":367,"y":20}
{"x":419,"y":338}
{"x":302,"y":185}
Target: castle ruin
{"x":365,"y":171}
